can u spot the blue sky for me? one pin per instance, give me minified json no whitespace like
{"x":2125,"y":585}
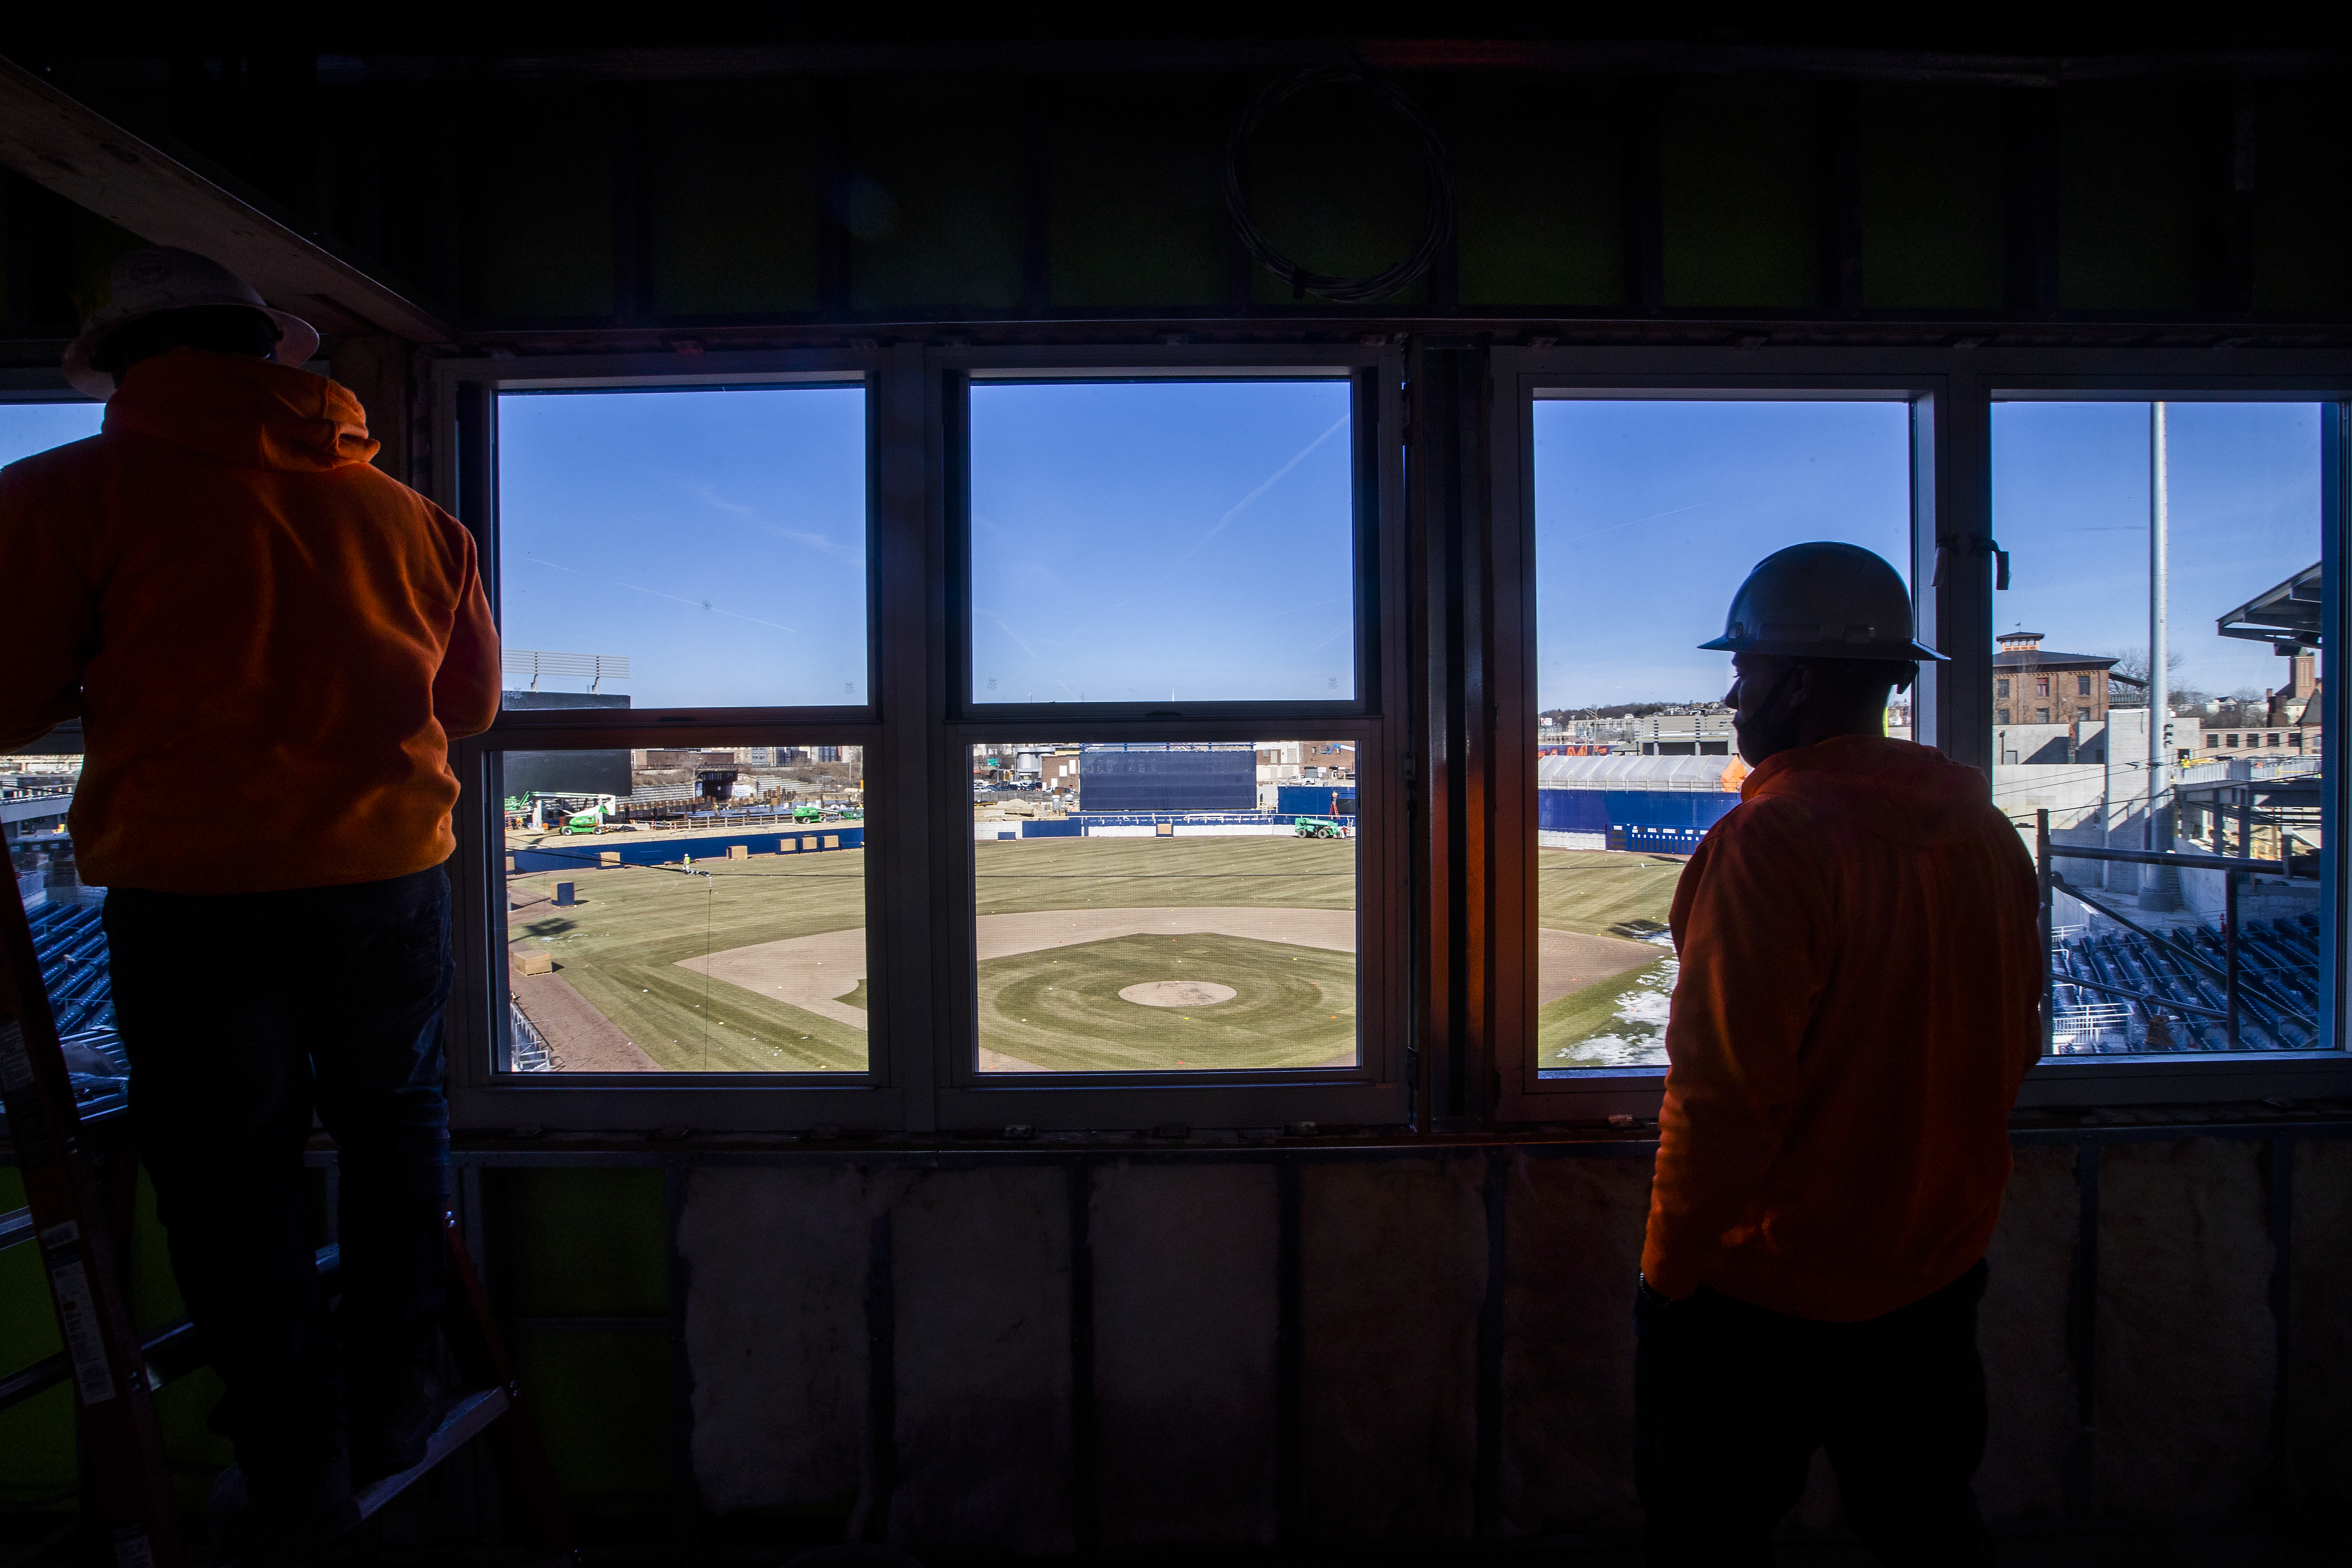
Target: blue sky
{"x":1155,"y":540}
{"x":2071,"y":505}
{"x":1131,"y":539}
{"x":1648,"y":515}
{"x":714,"y":538}
{"x":29,"y":427}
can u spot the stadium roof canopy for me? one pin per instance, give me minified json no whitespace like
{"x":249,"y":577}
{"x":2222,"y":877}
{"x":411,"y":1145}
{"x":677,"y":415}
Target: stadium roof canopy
{"x":2287,"y":616}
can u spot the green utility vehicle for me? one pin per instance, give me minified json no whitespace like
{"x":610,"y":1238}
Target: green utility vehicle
{"x":806,"y":813}
{"x":1320,"y":827}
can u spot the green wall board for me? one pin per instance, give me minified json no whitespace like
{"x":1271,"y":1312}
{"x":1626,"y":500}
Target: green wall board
{"x":541,"y":212}
{"x":1336,"y":180}
{"x":1137,"y":198}
{"x":2303,"y":212}
{"x":1932,"y":198}
{"x":1744,"y":171}
{"x":602,"y":1398}
{"x":733,"y":199}
{"x":1540,"y":171}
{"x":2132,"y":158}
{"x":932,"y":196}
{"x":570,"y":1242}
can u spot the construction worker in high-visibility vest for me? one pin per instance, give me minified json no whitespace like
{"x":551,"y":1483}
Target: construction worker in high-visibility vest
{"x":1856,"y":1006}
{"x":246,"y":615}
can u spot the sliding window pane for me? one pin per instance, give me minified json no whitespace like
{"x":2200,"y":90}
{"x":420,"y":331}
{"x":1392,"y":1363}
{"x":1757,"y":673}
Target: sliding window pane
{"x":685,"y":549}
{"x":1648,"y":516}
{"x":2193,"y":527}
{"x":1184,"y":907}
{"x":685,"y":912}
{"x":1162,"y":542}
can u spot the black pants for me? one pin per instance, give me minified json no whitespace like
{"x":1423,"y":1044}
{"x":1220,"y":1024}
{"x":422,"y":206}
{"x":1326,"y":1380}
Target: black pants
{"x":1731,"y":1400}
{"x":241,"y":1014}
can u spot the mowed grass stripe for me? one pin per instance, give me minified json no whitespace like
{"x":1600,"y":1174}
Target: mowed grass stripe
{"x":1597,"y":891}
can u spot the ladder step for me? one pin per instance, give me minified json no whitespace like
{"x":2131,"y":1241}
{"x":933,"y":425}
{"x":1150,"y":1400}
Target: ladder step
{"x":460,"y":1424}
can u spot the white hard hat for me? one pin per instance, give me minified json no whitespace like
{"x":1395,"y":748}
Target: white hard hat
{"x":1822,"y":601}
{"x":162,"y":278}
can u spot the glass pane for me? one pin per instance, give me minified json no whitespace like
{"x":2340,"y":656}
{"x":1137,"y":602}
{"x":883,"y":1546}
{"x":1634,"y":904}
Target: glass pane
{"x":29,"y":427}
{"x":1185,"y":907}
{"x":2143,"y":953}
{"x":36,"y":792}
{"x":1177,"y":542}
{"x":686,"y":549}
{"x":706,"y":915}
{"x":1648,"y":516}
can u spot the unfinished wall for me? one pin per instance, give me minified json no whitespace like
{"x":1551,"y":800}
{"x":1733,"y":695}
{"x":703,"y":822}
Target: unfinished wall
{"x":1179,"y":1404}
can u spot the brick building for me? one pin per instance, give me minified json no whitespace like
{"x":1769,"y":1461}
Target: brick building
{"x":2034,"y":685}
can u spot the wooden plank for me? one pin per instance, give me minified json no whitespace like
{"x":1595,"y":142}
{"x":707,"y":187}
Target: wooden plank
{"x":61,"y":143}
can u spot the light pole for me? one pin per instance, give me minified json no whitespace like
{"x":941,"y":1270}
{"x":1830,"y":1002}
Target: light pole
{"x":2162,"y":888}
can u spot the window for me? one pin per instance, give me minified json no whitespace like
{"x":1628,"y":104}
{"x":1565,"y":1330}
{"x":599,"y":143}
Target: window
{"x":2002,"y":716}
{"x":2000,"y":688}
{"x":1646,"y":517}
{"x":685,"y":912}
{"x":2041,"y":687}
{"x":690,"y":548}
{"x":1162,"y":544}
{"x":1181,"y":911}
{"x":1173,"y":906}
{"x":2041,"y":715}
{"x":2082,"y":686}
{"x":2193,"y":528}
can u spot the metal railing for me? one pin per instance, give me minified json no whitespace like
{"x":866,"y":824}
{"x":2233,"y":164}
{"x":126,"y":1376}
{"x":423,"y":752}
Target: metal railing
{"x":2266,"y":991}
{"x":529,"y":1050}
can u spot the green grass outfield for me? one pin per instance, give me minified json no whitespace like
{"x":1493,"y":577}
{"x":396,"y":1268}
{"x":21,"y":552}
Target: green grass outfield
{"x":1599,"y":892}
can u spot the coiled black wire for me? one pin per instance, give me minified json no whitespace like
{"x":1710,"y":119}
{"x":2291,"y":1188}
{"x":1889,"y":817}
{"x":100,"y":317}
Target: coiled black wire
{"x":1304,"y":281}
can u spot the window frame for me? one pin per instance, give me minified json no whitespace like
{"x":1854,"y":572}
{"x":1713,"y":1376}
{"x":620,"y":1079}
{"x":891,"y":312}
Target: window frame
{"x":464,"y":478}
{"x":1377,"y":1090}
{"x":1951,"y":389}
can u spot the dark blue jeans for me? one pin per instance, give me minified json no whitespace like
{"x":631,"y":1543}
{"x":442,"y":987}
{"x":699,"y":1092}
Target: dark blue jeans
{"x":242,"y":1015}
{"x":1731,"y":1401}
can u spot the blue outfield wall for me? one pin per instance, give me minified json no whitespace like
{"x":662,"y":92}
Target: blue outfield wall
{"x":586,"y":851}
{"x":1316,"y":800}
{"x":1599,"y":810}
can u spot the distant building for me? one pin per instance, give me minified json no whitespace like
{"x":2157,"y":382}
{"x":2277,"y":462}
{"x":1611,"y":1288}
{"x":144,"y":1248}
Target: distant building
{"x":2034,"y":685}
{"x":1683,"y":734}
{"x":2287,"y":725}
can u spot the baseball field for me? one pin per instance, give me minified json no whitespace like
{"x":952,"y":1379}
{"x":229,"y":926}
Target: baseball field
{"x":1100,"y":954}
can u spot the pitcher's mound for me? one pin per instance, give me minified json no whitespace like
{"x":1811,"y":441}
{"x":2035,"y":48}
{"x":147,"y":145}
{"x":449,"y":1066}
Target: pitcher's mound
{"x":1177,"y":993}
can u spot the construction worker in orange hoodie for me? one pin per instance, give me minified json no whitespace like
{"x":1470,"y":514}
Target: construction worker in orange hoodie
{"x":1858,"y":1004}
{"x":270,"y":645}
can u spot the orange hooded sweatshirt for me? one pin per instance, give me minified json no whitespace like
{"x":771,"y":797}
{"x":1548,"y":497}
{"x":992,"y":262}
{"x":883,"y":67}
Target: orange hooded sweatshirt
{"x":271,"y":643}
{"x":1858,"y":1003}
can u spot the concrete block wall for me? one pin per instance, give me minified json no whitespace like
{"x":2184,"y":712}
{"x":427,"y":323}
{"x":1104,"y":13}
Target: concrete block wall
{"x":1040,"y":1355}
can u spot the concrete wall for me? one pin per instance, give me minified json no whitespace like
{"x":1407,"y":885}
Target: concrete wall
{"x":1236,"y":1348}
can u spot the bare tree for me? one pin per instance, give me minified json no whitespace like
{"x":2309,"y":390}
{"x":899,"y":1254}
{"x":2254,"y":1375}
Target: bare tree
{"x":2130,"y":672}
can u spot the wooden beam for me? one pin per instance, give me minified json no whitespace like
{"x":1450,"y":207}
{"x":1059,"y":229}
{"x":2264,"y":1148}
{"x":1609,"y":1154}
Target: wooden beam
{"x":61,"y":143}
